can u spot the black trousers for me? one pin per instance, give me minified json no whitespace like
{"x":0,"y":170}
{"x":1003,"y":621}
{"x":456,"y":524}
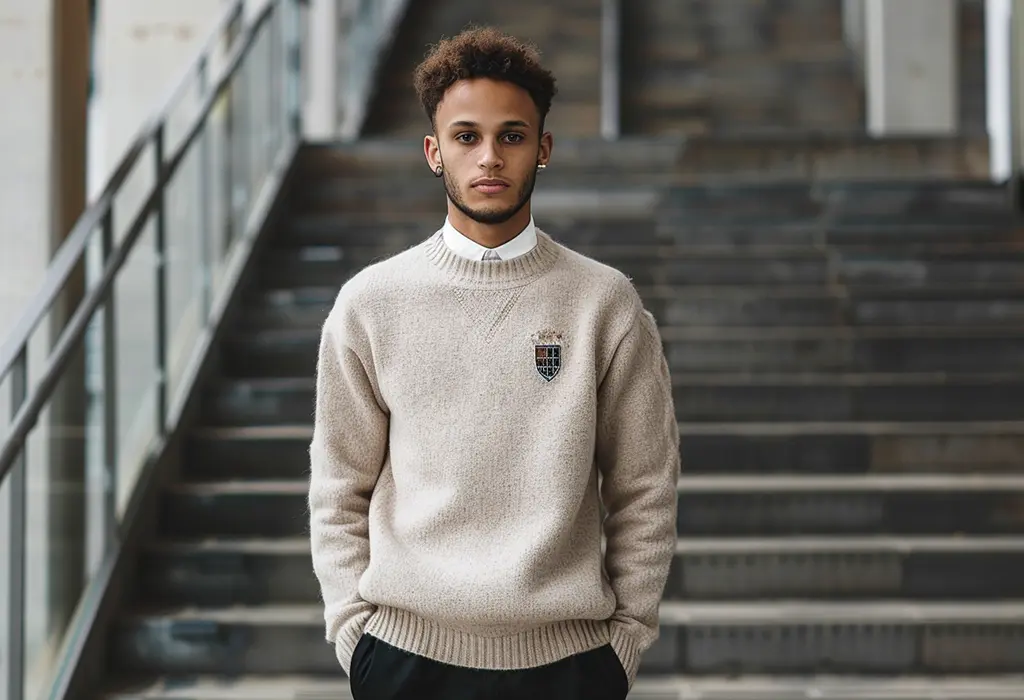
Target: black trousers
{"x":380,"y":671}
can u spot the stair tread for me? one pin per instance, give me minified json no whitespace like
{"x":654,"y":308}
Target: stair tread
{"x":304,"y":431}
{"x":839,"y":612}
{"x":849,"y":544}
{"x":300,"y":546}
{"x":707,"y":332}
{"x":289,"y":614}
{"x":671,"y":612}
{"x":258,"y":545}
{"x":659,"y":253}
{"x":671,"y":687}
{"x":688,"y":484}
{"x":787,"y":483}
{"x":836,"y":291}
{"x":747,"y":379}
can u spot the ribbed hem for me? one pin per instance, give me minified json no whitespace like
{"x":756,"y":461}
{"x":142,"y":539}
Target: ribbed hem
{"x":626,"y":649}
{"x":492,"y":274}
{"x":348,"y":638}
{"x":530,"y":648}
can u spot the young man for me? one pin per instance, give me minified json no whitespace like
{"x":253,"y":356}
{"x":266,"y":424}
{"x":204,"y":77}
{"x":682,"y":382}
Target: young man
{"x":471,"y":392}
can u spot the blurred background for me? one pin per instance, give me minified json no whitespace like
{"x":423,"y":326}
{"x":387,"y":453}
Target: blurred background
{"x":819,"y":200}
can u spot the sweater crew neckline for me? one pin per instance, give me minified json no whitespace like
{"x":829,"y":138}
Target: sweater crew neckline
{"x":493,"y":273}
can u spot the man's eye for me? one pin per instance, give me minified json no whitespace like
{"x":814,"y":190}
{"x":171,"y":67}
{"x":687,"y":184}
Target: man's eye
{"x":514,"y":138}
{"x":465,"y":138}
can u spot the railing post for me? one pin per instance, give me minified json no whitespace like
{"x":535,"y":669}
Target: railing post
{"x":110,"y":455}
{"x":203,"y":230}
{"x":160,"y":278}
{"x":16,"y":554}
{"x":293,"y":63}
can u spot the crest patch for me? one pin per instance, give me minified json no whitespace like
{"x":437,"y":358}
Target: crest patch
{"x":547,"y":353}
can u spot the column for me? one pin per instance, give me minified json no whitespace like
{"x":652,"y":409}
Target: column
{"x":321,"y":53}
{"x":911,"y":66}
{"x":997,"y":78}
{"x":44,"y":59}
{"x":1017,"y":98}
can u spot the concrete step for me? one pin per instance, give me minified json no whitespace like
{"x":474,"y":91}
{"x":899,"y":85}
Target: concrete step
{"x":751,"y":505}
{"x":852,"y":447}
{"x":282,"y":452}
{"x":625,"y":220}
{"x":559,"y":193}
{"x":209,"y":573}
{"x":664,"y":687}
{"x":744,"y":506}
{"x":332,"y":265}
{"x":709,"y":397}
{"x":291,"y":352}
{"x":876,"y":638}
{"x":822,"y":157}
{"x":767,"y":306}
{"x":274,"y":452}
{"x":346,"y":173}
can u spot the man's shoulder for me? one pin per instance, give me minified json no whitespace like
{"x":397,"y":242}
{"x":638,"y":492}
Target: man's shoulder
{"x":379,"y":281}
{"x":382,"y":273}
{"x":601,"y":281}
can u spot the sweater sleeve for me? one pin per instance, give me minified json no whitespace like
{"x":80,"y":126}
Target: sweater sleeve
{"x":638,"y":455}
{"x":347,"y":452}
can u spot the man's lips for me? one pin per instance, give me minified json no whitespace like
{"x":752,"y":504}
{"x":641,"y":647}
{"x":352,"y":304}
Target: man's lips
{"x":490,"y":186}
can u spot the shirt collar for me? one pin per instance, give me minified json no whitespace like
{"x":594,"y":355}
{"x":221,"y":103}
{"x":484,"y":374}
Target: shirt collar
{"x":468,"y":248}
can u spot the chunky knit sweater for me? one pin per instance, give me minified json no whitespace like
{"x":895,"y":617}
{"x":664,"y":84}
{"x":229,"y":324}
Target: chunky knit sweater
{"x":471,"y":420}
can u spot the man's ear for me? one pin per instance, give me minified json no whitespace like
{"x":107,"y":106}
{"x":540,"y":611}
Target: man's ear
{"x":547,"y":143}
{"x":432,"y":153}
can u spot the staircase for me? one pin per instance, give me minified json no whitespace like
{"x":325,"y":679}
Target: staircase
{"x":740,"y":66}
{"x":848,"y":360}
{"x":847,"y":353}
{"x":567,"y":32}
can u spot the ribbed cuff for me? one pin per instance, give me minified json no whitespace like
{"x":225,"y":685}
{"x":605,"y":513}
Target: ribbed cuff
{"x":529,"y":648}
{"x":626,"y":649}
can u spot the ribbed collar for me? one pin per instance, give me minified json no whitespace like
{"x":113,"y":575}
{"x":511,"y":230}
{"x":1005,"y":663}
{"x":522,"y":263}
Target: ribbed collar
{"x":492,"y":274}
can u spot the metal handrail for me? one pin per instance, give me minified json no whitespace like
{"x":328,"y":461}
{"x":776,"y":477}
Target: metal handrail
{"x":70,"y":254}
{"x":28,"y":400}
{"x":71,"y":250}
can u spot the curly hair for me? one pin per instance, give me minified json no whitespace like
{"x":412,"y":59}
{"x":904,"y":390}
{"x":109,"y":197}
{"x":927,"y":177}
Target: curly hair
{"x":483,"y":52}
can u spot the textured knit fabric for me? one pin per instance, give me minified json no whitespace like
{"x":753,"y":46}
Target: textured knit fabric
{"x":383,"y":672}
{"x":465,"y":411}
{"x":465,"y":247}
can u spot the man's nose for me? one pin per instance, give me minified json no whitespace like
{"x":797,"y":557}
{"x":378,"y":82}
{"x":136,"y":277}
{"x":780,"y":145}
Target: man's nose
{"x":490,"y":156}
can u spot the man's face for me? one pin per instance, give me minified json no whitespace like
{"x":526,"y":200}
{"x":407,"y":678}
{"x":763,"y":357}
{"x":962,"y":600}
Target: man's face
{"x":487,"y":138}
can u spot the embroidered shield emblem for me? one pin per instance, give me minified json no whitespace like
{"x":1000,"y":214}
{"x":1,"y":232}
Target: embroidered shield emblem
{"x":548,"y":347}
{"x":549,"y":360}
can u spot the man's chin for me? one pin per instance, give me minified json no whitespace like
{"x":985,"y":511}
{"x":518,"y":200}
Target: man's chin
{"x":491,"y":215}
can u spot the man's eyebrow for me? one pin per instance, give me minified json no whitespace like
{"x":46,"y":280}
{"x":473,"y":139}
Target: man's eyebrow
{"x":472,"y":125}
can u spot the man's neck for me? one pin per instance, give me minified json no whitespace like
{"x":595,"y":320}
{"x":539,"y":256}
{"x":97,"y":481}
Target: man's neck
{"x":489,"y":235}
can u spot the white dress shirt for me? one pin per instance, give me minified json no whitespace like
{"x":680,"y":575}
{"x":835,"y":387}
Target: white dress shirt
{"x":468,"y":248}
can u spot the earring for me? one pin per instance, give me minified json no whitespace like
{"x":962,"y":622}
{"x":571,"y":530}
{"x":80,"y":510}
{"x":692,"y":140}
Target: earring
{"x":541,"y":167}
{"x":438,"y":171}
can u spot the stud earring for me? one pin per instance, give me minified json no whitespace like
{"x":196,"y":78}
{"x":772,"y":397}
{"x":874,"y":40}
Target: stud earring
{"x":438,"y":171}
{"x":541,"y":167}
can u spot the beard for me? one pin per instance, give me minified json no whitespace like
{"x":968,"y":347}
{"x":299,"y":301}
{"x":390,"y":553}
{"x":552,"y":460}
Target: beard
{"x":451,"y":188}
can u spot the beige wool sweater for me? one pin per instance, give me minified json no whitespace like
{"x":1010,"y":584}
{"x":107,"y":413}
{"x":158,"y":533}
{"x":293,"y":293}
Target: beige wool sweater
{"x":465,"y":411}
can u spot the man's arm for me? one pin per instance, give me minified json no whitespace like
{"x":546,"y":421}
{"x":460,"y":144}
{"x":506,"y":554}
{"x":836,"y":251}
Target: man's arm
{"x":346,"y":455}
{"x":638,"y":454}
